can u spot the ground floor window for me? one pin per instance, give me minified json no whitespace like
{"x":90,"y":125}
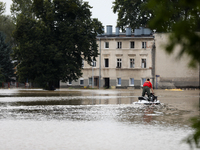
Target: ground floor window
{"x":81,"y":81}
{"x":143,"y":80}
{"x":90,"y":81}
{"x":70,"y":83}
{"x":131,"y":81}
{"x":119,"y":81}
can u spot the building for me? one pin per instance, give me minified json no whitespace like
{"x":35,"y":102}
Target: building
{"x":127,"y":59}
{"x":171,"y":72}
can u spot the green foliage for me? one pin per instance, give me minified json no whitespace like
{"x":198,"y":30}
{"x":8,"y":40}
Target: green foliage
{"x":7,"y":26}
{"x":131,"y":13}
{"x":2,"y":78}
{"x":195,"y":137}
{"x":2,"y":7}
{"x":6,"y":66}
{"x":20,"y":6}
{"x":181,"y":18}
{"x":51,"y":45}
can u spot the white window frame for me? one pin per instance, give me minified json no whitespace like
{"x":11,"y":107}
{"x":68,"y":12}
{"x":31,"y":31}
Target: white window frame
{"x":131,"y":82}
{"x":94,"y":64}
{"x":132,"y":61}
{"x":144,"y":45}
{"x":105,"y":45}
{"x":145,"y":65}
{"x":131,"y":44}
{"x":119,"y":63}
{"x":119,"y":45}
{"x":142,"y":81}
{"x":81,"y":79}
{"x":119,"y":81}
{"x":90,"y":84}
{"x":69,"y":83}
{"x":82,"y":63}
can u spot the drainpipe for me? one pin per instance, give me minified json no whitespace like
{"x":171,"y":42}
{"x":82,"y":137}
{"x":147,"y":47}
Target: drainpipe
{"x":92,"y":74}
{"x":100,"y":63}
{"x":153,"y":53}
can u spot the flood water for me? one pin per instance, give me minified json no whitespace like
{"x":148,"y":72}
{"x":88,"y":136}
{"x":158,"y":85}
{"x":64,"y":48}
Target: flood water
{"x":69,"y":119}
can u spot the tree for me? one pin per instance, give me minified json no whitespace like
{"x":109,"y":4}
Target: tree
{"x":20,"y":6}
{"x":6,"y":66}
{"x":53,"y":40}
{"x":182,"y":19}
{"x":131,"y":13}
{"x":7,"y":26}
{"x":2,"y":7}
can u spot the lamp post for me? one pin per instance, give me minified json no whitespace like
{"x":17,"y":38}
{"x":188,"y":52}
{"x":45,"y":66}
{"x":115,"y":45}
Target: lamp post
{"x":100,"y":63}
{"x":92,"y":75}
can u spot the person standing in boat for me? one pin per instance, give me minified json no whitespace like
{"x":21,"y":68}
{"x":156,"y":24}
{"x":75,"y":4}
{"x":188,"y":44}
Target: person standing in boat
{"x":146,"y":88}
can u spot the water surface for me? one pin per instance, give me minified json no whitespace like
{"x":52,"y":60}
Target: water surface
{"x":94,"y":119}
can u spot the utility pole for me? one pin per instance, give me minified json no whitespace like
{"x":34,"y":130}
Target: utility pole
{"x":100,"y":63}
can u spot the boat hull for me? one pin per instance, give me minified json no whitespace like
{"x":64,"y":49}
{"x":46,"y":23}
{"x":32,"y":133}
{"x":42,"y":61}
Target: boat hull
{"x":145,"y":102}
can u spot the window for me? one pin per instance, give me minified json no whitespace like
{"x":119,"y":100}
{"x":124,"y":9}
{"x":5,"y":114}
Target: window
{"x":132,"y":63}
{"x":119,"y":45}
{"x":132,"y":44}
{"x":119,"y":62}
{"x":144,"y":44}
{"x":143,"y":63}
{"x":131,"y":81}
{"x":106,"y":44}
{"x":94,"y":64}
{"x":81,"y":81}
{"x":143,"y":80}
{"x":106,"y":62}
{"x":82,"y":63}
{"x":118,"y":81}
{"x":70,"y":83}
{"x":90,"y":81}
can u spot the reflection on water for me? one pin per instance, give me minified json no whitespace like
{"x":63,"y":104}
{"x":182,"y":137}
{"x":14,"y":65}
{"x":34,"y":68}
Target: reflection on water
{"x":78,"y":110}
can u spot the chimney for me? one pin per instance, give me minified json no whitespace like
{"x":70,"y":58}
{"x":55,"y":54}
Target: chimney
{"x":117,"y":31}
{"x":109,"y":29}
{"x":128,"y":31}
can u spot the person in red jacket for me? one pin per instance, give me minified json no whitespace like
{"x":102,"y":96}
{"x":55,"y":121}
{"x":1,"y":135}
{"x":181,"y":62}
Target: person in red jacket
{"x":146,"y":88}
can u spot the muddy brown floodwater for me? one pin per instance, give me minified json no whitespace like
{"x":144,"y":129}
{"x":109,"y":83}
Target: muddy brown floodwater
{"x":75,"y":119}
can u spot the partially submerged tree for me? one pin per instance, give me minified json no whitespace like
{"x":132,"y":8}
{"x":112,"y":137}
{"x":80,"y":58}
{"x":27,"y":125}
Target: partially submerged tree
{"x":53,"y":40}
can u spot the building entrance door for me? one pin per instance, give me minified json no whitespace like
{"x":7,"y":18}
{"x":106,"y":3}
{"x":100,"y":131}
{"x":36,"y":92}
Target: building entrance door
{"x":107,"y":82}
{"x":96,"y":81}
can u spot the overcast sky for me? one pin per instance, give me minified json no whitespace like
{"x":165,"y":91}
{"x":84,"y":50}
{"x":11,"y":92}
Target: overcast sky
{"x":101,"y":10}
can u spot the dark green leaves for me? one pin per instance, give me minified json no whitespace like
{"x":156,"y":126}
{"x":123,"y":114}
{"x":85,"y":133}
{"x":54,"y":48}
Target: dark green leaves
{"x":52,"y":44}
{"x":6,"y":66}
